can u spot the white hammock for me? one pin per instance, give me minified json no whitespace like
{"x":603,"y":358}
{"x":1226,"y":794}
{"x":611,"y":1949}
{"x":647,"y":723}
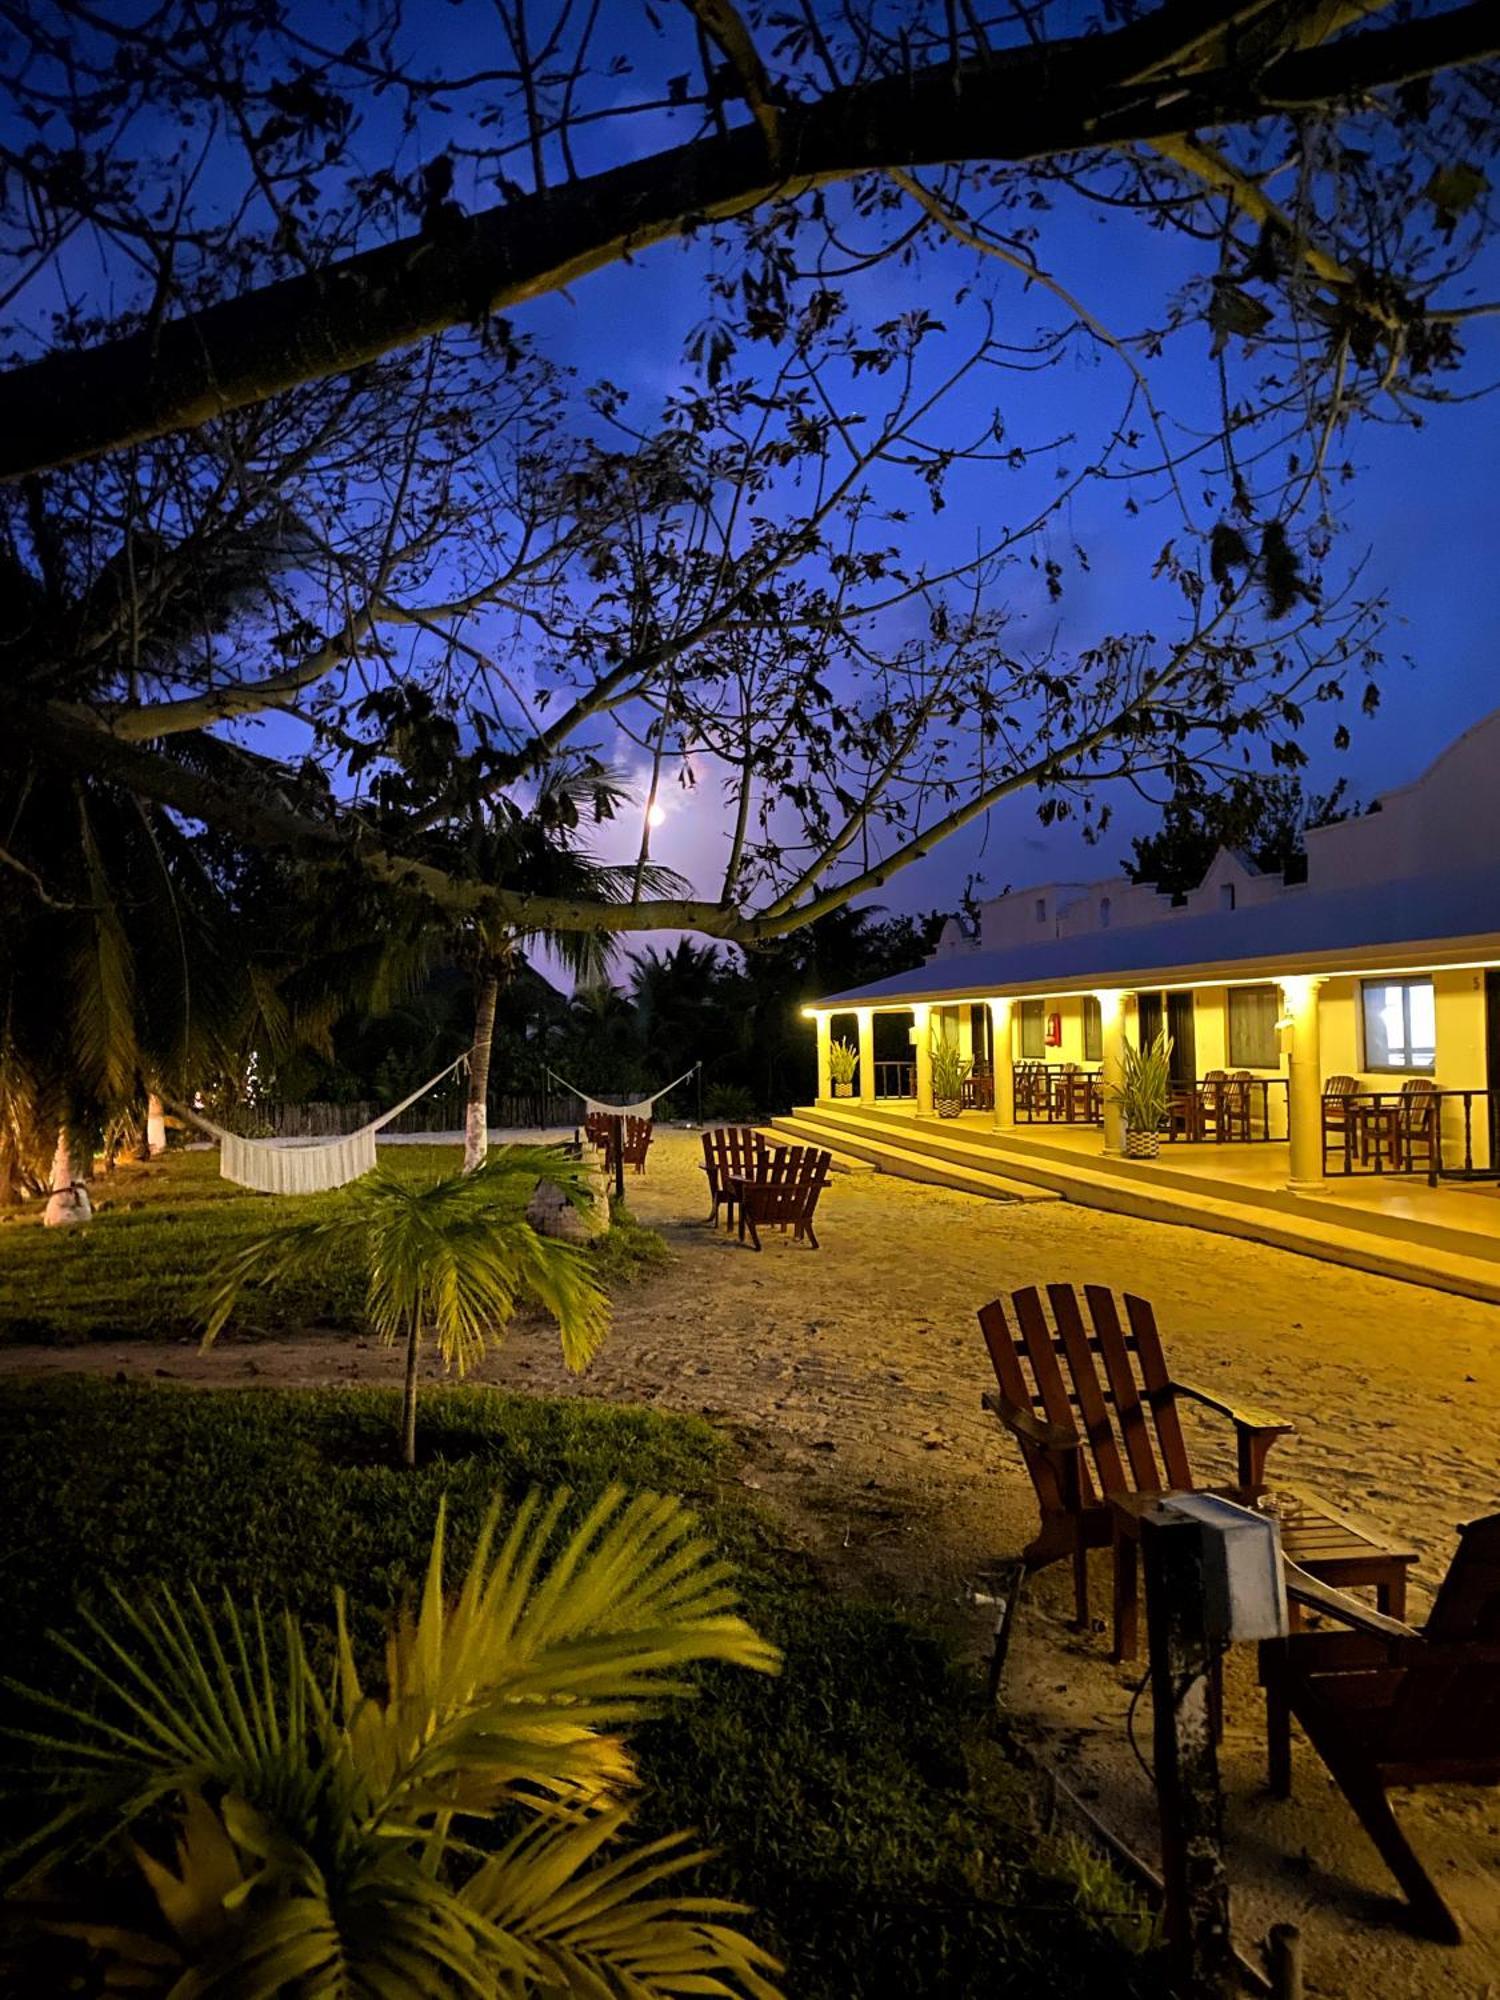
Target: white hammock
{"x":305,"y":1166}
{"x":619,"y":1107}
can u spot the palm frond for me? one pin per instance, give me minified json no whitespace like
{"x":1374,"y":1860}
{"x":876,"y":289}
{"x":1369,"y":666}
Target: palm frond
{"x":318,"y":1849}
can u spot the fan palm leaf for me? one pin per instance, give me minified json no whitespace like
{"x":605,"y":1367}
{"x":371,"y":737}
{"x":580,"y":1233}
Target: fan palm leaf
{"x":449,"y":1260}
{"x":325,"y":1838}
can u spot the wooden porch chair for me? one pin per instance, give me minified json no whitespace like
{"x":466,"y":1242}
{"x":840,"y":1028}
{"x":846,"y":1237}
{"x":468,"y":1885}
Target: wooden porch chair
{"x":1235,"y":1117}
{"x":1109,"y":1426}
{"x":731,"y":1153}
{"x":1385,"y":1705}
{"x":1031,"y":1087}
{"x":1337,"y":1122}
{"x":785,"y":1192}
{"x":1212,"y":1102}
{"x":636,"y":1142}
{"x":600,"y":1129}
{"x":1416,"y":1124}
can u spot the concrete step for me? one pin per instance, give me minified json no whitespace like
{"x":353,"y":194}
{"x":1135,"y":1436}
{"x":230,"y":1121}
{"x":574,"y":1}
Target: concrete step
{"x":878,"y":1155}
{"x":1421,"y":1252}
{"x":838,"y":1163}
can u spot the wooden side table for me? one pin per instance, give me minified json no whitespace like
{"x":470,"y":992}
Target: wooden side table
{"x":1314,"y":1537}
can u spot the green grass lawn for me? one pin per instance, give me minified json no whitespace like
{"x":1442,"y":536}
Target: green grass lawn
{"x":856,"y":1801}
{"x":136,"y":1271}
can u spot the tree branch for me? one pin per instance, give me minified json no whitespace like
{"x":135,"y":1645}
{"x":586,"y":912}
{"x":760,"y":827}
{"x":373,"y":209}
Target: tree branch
{"x":1016,"y":105}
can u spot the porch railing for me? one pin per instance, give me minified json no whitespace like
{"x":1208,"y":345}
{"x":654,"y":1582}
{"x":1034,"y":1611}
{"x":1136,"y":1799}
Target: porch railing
{"x":895,"y":1079}
{"x":1444,"y":1134}
{"x":1232,"y":1110}
{"x":1057,"y":1094}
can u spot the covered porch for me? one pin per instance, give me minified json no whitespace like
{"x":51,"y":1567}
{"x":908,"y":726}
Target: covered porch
{"x":1309,"y":1081}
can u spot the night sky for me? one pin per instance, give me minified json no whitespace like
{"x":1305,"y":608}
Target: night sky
{"x":1422,"y":509}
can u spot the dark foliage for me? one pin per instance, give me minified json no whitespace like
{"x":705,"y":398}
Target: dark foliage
{"x":855,"y":1800}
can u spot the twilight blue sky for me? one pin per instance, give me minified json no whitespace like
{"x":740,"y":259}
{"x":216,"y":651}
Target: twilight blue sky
{"x":1422,"y":512}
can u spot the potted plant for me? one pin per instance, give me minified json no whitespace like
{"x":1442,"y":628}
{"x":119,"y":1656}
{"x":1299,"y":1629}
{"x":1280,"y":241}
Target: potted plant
{"x":1143,"y":1094}
{"x":843,"y":1061}
{"x":949,"y":1071}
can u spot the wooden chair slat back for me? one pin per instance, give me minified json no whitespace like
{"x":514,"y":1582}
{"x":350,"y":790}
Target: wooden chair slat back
{"x":737,"y":1151}
{"x":1418,"y":1102}
{"x":1157,"y":1382}
{"x":1120,"y":1372}
{"x":1005,"y":1351}
{"x":1087,"y":1393}
{"x":1339,"y":1086}
{"x":1050,"y":1390}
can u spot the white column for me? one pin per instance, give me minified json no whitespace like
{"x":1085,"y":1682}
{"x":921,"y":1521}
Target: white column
{"x":1112,"y":1067}
{"x":156,"y":1126}
{"x":1005,"y":1075}
{"x":966,"y":1032}
{"x":865,"y":1016}
{"x":921,"y":1020}
{"x":1304,"y":1082}
{"x":825,"y":1037}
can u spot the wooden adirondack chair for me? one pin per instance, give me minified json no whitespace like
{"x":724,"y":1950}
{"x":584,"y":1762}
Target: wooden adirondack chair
{"x":636,"y":1142}
{"x":731,"y":1153}
{"x":1385,"y":1705}
{"x":1117,"y":1406}
{"x":785,"y":1191}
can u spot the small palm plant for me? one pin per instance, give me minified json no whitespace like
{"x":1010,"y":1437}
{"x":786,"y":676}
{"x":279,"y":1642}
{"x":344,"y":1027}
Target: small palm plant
{"x":843,"y":1061}
{"x":950,"y":1072}
{"x":1144,"y":1093}
{"x":447,"y":1261}
{"x":449,"y":1834}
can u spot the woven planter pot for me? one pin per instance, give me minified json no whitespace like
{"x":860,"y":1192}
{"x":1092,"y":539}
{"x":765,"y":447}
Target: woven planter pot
{"x":1142,"y":1145}
{"x":843,"y":1090}
{"x":947,"y":1107}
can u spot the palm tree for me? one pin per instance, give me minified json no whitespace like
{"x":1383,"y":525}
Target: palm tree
{"x":326,"y":1837}
{"x":446,"y":1261}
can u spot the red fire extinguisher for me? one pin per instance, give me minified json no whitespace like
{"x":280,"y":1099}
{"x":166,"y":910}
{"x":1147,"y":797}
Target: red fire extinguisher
{"x":1054,"y":1031}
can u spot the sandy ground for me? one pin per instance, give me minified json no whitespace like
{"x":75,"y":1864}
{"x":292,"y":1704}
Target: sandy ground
{"x":852,"y":1378}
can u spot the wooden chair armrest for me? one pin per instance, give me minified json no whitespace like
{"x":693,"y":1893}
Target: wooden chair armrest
{"x":1245,"y":1416}
{"x":1307,"y":1590}
{"x":1046,"y":1437}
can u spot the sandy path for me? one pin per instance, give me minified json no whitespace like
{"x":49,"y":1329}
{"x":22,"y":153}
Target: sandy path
{"x":852,"y":1377}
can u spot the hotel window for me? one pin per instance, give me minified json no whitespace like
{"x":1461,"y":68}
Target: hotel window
{"x":1033,"y":1031}
{"x":1400,"y":1023}
{"x":1252,"y":1027}
{"x":1093,"y":1030}
{"x":1041,"y":909}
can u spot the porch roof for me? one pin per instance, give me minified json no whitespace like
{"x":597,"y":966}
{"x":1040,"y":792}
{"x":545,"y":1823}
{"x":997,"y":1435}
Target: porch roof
{"x":1421,"y":923}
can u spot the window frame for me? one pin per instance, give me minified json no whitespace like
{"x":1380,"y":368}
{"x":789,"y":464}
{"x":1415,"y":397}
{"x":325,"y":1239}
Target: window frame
{"x":1033,"y":1013}
{"x":1234,"y":993}
{"x":1368,"y":986}
{"x":1093,"y":1029}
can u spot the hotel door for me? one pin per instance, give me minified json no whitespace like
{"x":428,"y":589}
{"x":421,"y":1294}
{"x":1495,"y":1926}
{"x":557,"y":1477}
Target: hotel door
{"x":1178,"y":1022}
{"x":1492,"y":1027}
{"x":1184,"y":1044}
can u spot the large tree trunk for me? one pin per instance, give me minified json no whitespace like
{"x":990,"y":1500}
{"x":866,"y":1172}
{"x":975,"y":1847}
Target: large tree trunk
{"x":477,"y":1110}
{"x":69,"y":1199}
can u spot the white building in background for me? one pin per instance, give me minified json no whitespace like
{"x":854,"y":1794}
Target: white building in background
{"x":1380,"y":969}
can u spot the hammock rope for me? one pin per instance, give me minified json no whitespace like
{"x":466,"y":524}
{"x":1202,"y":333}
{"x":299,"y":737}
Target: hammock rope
{"x":620,"y":1107}
{"x":305,"y":1166}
